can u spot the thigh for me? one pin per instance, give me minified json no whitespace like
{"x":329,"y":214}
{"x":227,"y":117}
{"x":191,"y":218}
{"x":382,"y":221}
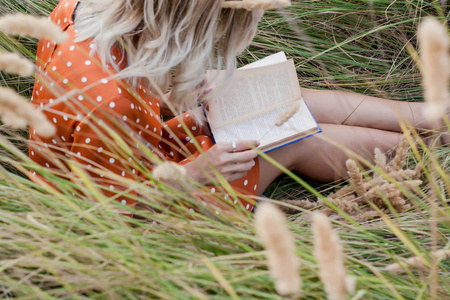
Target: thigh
{"x":345,"y":108}
{"x":319,"y":159}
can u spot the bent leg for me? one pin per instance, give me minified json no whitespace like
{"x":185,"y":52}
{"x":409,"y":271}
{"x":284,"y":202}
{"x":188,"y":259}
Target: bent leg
{"x":321,"y":161}
{"x":345,"y":108}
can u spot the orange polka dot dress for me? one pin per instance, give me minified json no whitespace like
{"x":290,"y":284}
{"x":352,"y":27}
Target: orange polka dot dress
{"x":79,"y":96}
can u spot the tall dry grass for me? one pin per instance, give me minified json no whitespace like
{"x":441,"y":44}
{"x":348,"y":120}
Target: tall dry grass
{"x":70,"y":242}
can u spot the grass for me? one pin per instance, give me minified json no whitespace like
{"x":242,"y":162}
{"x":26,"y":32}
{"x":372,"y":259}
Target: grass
{"x":60,"y":244}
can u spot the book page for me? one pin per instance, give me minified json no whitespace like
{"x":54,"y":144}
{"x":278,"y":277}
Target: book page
{"x":269,"y":60}
{"x":253,"y":92}
{"x":262,"y":127}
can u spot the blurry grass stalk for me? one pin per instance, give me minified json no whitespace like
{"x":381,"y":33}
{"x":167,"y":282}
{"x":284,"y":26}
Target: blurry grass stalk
{"x":435,"y":67}
{"x":68,"y":241}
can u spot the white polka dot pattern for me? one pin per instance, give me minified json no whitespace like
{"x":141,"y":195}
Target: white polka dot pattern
{"x":70,"y":68}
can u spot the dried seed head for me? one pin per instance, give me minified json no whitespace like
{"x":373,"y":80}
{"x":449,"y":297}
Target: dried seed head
{"x":27,"y":25}
{"x":401,"y":153}
{"x":356,"y":177}
{"x":328,"y":252}
{"x":380,"y":160}
{"x":15,"y":64}
{"x":286,"y":115}
{"x":169,"y":171}
{"x":256,"y":4}
{"x":417,"y":262}
{"x":298,"y":206}
{"x":434,"y":42}
{"x":270,"y":225}
{"x":16,"y":111}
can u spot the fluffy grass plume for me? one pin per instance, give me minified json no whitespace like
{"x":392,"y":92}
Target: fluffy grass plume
{"x":417,"y":262}
{"x":17,"y":112}
{"x":91,"y":252}
{"x":27,"y":25}
{"x":15,"y":64}
{"x":355,"y":177}
{"x":329,"y":256}
{"x":270,"y":225}
{"x":435,"y":62}
{"x":286,"y":115}
{"x":283,"y":117}
{"x":256,"y":4}
{"x":169,"y":171}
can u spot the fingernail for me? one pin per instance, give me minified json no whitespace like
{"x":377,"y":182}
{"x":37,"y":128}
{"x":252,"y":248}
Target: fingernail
{"x":208,"y":90}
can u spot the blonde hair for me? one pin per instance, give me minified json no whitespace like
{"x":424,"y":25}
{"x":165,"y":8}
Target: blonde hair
{"x":168,"y":43}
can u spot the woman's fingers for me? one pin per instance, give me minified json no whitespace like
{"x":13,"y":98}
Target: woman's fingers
{"x":232,"y":160}
{"x":238,"y":167}
{"x":237,"y":146}
{"x":242,"y":157}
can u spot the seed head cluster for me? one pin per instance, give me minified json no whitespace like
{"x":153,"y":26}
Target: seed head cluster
{"x":370,"y":188}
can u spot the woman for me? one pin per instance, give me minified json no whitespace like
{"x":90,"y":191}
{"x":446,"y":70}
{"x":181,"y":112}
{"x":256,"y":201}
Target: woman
{"x":105,"y":85}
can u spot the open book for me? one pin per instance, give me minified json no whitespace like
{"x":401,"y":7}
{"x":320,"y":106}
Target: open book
{"x":256,"y":96}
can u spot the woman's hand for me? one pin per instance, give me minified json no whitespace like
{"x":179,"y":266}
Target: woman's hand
{"x":233,"y":164}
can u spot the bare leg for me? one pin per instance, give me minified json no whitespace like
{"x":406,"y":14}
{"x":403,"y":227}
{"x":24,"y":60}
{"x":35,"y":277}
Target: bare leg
{"x":321,"y":161}
{"x":336,"y":107}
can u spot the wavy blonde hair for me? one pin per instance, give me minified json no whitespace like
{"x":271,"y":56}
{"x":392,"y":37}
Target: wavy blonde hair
{"x":168,"y":43}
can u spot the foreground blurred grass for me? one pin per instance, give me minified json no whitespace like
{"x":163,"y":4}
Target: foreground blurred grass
{"x":57,"y":245}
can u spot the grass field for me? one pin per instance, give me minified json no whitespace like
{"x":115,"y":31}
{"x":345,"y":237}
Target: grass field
{"x":55,"y":243}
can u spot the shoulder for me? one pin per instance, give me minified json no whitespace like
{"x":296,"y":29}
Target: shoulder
{"x":63,"y":13}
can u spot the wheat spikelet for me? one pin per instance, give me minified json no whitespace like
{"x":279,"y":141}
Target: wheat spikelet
{"x":402,"y":175}
{"x":286,"y":115}
{"x":299,"y":204}
{"x":256,"y":4}
{"x":328,"y":252}
{"x":15,"y":64}
{"x":380,"y":160}
{"x":283,"y":263}
{"x":434,"y":42}
{"x":399,"y":203}
{"x":418,"y":169}
{"x":356,"y":177}
{"x":367,"y":215}
{"x":417,"y":261}
{"x":412,"y":184}
{"x":169,"y":171}
{"x":17,"y":112}
{"x":27,"y":25}
{"x":399,"y":160}
{"x":346,"y":204}
{"x":344,"y":191}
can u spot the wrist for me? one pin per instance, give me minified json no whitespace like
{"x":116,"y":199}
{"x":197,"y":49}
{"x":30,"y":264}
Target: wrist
{"x":194,"y":173}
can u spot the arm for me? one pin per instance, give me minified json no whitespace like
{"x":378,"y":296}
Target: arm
{"x":97,"y":152}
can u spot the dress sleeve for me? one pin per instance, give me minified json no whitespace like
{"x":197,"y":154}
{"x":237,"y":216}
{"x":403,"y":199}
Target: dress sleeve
{"x":103,"y":145}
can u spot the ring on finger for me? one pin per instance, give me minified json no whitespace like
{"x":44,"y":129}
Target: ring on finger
{"x":233,"y":146}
